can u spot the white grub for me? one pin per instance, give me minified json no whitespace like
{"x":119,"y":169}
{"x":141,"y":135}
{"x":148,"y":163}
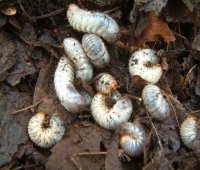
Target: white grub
{"x":107,"y":117}
{"x":93,"y":22}
{"x":188,"y":131}
{"x":106,"y":84}
{"x":95,"y":50}
{"x":70,"y":98}
{"x":132,"y":138}
{"x":86,"y":97}
{"x":155,"y":103}
{"x":144,"y":63}
{"x":44,"y":132}
{"x":115,"y":95}
{"x":75,"y":52}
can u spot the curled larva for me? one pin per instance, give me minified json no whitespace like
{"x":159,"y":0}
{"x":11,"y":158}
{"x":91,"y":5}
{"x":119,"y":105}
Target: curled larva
{"x":144,"y":63}
{"x":132,"y":138}
{"x":70,"y":98}
{"x":106,"y":84}
{"x":93,"y":22}
{"x":75,"y":51}
{"x":95,"y":50}
{"x":154,"y":102}
{"x":86,"y":97}
{"x":45,"y":132}
{"x":110,"y":118}
{"x":188,"y":131}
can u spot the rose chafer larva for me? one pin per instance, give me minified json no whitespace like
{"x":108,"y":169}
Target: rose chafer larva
{"x":45,"y":131}
{"x":189,"y":131}
{"x":107,"y":117}
{"x":155,"y":102}
{"x":75,"y":52}
{"x":144,"y":63}
{"x":70,"y":98}
{"x":93,"y":22}
{"x":132,"y":138}
{"x":95,"y":50}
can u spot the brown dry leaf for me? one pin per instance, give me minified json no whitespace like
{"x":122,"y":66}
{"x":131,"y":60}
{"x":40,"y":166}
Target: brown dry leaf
{"x":190,"y":75}
{"x":197,"y":87}
{"x":158,"y":162}
{"x":155,"y":28}
{"x":196,"y":43}
{"x":112,"y":159}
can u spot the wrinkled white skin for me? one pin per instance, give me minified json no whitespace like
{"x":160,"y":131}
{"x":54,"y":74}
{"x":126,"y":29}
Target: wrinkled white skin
{"x":188,"y":131}
{"x":155,"y":103}
{"x":110,"y":118}
{"x":93,"y":22}
{"x":95,"y":50}
{"x":86,"y":97}
{"x":106,"y":84}
{"x":45,"y":137}
{"x":75,"y":52}
{"x":64,"y":85}
{"x":138,"y":65}
{"x":132,"y":138}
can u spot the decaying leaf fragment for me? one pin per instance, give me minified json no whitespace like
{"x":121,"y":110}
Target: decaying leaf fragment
{"x":155,"y":28}
{"x":196,"y":43}
{"x":152,"y":5}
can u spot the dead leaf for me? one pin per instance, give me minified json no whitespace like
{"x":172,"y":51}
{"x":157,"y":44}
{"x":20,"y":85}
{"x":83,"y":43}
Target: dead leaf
{"x":112,"y":158}
{"x":197,"y":87}
{"x":152,"y":5}
{"x":196,"y":43}
{"x":158,"y":162}
{"x":190,"y":75}
{"x":155,"y":28}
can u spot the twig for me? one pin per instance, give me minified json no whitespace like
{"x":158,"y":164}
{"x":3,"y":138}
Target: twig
{"x":159,"y":141}
{"x":35,"y":18}
{"x":133,"y":97}
{"x":112,"y":10}
{"x":174,"y":111}
{"x":26,"y":108}
{"x":90,"y":153}
{"x":75,"y":163}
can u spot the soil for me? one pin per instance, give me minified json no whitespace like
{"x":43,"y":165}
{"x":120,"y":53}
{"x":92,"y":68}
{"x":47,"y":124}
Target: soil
{"x":31,"y":45}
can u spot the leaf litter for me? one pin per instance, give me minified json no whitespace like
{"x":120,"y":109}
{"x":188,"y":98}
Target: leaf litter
{"x":27,"y":69}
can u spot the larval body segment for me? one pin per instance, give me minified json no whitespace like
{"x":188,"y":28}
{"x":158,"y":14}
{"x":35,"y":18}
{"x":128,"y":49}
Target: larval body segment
{"x":45,"y":137}
{"x":155,"y":103}
{"x":132,"y":138}
{"x":93,"y":22}
{"x":188,"y":131}
{"x":144,"y":63}
{"x":75,"y":52}
{"x":70,"y":98}
{"x":95,"y":50}
{"x":110,"y":118}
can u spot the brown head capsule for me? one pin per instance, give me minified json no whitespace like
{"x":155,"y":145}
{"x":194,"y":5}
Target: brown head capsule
{"x":45,"y":131}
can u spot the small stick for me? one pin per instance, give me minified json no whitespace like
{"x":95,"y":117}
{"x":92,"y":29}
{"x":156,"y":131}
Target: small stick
{"x":35,"y":18}
{"x":154,"y":128}
{"x":29,"y":107}
{"x":111,"y":10}
{"x":133,"y":97}
{"x":90,"y":153}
